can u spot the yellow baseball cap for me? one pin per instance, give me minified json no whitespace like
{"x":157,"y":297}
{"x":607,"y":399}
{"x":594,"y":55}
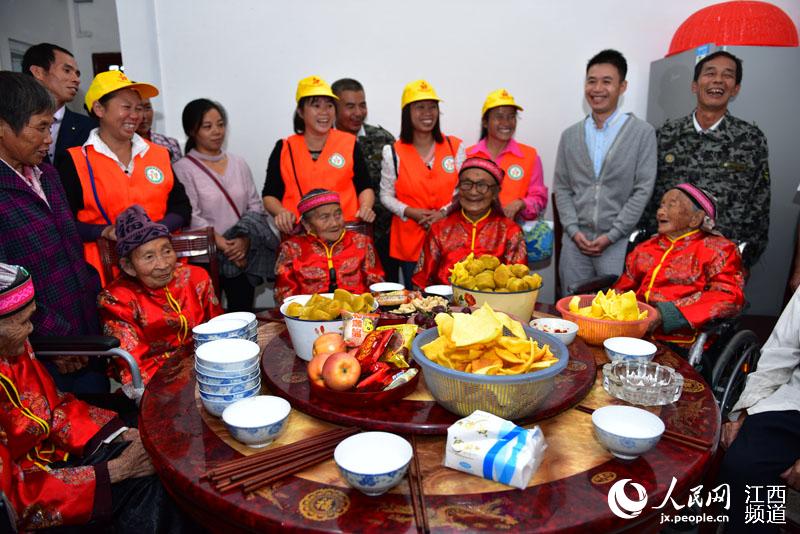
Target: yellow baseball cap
{"x":416,"y":91}
{"x":498,"y":98}
{"x":113,"y":80}
{"x":313,"y":86}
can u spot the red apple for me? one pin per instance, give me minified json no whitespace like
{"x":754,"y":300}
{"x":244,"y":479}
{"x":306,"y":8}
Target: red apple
{"x":330,"y":342}
{"x":341,"y":371}
{"x":314,"y":368}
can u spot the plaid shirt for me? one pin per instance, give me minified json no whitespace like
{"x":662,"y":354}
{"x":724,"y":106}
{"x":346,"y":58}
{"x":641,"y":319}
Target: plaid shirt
{"x":169,"y":143}
{"x":45,"y":241}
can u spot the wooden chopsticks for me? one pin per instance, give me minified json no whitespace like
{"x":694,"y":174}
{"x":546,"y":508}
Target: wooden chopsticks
{"x":261,"y":469}
{"x":417,"y":491}
{"x":683,"y":439}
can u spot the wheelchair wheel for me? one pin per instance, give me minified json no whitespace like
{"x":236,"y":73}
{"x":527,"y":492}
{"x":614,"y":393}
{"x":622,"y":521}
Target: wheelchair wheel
{"x":735,"y":362}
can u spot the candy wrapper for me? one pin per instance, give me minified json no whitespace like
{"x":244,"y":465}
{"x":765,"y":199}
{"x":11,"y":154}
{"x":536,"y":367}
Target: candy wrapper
{"x":399,"y":348}
{"x":356,"y":326}
{"x":490,"y":447}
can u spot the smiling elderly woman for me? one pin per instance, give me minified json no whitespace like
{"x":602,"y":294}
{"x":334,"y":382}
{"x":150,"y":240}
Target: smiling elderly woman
{"x":327,"y":256}
{"x":154,"y":306}
{"x":689,"y":272}
{"x":478,"y":225}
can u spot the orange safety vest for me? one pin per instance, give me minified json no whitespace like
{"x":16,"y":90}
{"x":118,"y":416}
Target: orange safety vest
{"x":333,"y":170}
{"x":421,"y":187}
{"x":518,"y":171}
{"x":112,"y":191}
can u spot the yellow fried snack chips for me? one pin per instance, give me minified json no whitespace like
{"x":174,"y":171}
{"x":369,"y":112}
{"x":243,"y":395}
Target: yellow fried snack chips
{"x":610,"y":306}
{"x":321,"y":308}
{"x":488,"y":274}
{"x":486,"y":342}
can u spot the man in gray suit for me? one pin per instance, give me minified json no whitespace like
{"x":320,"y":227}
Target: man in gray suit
{"x":605,"y":171}
{"x":56,"y":69}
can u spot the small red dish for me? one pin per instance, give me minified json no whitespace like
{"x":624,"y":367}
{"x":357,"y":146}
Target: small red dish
{"x":372,"y":398}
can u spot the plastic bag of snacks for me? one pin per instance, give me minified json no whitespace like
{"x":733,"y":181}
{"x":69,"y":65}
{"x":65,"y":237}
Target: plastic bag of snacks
{"x":399,"y":347}
{"x":356,"y":326}
{"x":488,"y":446}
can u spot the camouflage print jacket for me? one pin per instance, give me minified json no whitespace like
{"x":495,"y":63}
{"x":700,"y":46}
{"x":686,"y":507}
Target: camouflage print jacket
{"x":372,"y":144}
{"x":731,"y":164}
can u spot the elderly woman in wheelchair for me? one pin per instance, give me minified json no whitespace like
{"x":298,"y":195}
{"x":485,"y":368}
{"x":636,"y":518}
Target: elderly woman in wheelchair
{"x":62,"y":461}
{"x":154,"y":305}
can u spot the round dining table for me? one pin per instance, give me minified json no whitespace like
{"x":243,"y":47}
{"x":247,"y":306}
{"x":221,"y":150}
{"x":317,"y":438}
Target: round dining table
{"x":568,"y":493}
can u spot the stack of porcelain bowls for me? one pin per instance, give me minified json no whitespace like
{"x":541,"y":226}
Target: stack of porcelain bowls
{"x":250,"y":318}
{"x":227,"y":371}
{"x":219,"y":329}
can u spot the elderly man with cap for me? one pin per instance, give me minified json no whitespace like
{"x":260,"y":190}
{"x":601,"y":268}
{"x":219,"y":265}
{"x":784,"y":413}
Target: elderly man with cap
{"x":115,"y":168}
{"x":327,"y":256}
{"x":64,"y":462}
{"x":316,"y":156}
{"x":688,"y":271}
{"x":153,"y":307}
{"x":478,"y":226}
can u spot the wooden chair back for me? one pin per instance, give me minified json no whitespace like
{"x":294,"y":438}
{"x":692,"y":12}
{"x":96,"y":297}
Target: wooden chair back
{"x":189,"y":244}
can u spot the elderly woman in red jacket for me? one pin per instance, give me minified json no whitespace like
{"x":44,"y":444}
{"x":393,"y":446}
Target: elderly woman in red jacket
{"x":688,"y":271}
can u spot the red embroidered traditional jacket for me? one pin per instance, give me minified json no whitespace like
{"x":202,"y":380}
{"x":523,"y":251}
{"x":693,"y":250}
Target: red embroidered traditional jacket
{"x":700,"y":273}
{"x":40,"y":425}
{"x":304,"y":263}
{"x":454,"y":237}
{"x":156,"y":324}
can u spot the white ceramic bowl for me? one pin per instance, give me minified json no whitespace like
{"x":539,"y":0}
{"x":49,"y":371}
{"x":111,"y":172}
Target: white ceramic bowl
{"x":219,"y":329}
{"x":227,"y":354}
{"x":256,"y":421}
{"x":440,"y":290}
{"x":625,"y":431}
{"x":212,"y":376}
{"x":558,"y":328}
{"x":629,"y":348}
{"x":384,"y":287}
{"x":229,"y":389}
{"x":373,"y":462}
{"x":303,"y":332}
{"x":216,"y":404}
{"x":230,"y":397}
{"x":248,"y":317}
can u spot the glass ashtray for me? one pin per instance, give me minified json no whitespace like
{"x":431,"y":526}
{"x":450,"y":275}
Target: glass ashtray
{"x":642,"y":382}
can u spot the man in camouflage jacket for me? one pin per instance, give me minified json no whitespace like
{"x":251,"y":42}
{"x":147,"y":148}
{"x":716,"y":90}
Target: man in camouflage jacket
{"x":351,"y":112}
{"x":720,"y":153}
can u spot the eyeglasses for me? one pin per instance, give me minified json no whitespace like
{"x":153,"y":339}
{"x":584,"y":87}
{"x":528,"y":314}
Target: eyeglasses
{"x":482,"y":187}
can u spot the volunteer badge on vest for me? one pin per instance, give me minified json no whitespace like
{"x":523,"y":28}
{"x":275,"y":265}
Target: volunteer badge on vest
{"x":154,"y":175}
{"x":449,"y":164}
{"x":336,"y":160}
{"x":669,"y":158}
{"x":515,"y":172}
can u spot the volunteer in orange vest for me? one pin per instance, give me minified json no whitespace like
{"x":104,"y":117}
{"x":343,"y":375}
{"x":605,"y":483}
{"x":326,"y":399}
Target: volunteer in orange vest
{"x":524,"y":195}
{"x":316,"y":157}
{"x":418,"y":174}
{"x":115,"y":168}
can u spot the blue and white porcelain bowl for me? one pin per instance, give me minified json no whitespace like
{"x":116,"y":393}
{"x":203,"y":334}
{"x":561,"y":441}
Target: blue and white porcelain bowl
{"x":227,"y":355}
{"x":373,"y":462}
{"x":228,"y":380}
{"x":216,"y":404}
{"x":629,"y":349}
{"x":230,"y":397}
{"x":228,"y":389}
{"x":248,"y":317}
{"x":627,"y":432}
{"x":219,"y":329}
{"x":225,"y":376}
{"x":256,"y":421}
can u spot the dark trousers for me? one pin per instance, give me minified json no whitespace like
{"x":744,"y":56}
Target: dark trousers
{"x":238,"y":293}
{"x":92,"y":379}
{"x":391,"y":266}
{"x":408,"y":268}
{"x":767,"y":444}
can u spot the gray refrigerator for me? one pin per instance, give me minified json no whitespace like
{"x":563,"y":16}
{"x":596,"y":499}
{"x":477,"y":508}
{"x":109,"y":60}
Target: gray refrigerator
{"x":769,"y":98}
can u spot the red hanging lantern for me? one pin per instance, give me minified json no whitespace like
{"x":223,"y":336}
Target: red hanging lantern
{"x":742,"y":22}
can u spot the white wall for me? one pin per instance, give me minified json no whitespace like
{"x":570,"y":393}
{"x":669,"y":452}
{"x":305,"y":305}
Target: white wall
{"x":83,"y":29}
{"x":249,"y":55}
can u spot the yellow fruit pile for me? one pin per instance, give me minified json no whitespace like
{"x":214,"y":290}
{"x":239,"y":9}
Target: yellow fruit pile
{"x":320,"y":308}
{"x":488,"y":274}
{"x":474,"y":343}
{"x":610,"y":306}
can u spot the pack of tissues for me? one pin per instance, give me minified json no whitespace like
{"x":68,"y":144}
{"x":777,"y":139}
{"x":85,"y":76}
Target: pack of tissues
{"x":490,"y":447}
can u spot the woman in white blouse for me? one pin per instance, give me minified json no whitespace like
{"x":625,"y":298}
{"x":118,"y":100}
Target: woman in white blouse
{"x":221,"y":189}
